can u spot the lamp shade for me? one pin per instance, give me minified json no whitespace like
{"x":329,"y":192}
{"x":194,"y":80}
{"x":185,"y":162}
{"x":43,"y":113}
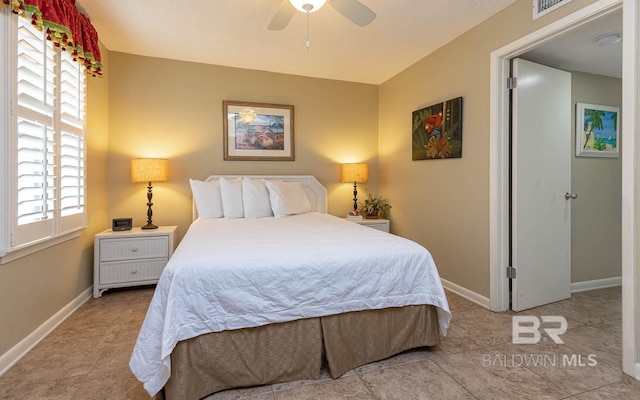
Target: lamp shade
{"x":149,"y":169}
{"x":355,"y":172}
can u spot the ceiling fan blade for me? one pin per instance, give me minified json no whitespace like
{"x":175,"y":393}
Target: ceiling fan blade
{"x":355,"y":11}
{"x":282,"y":17}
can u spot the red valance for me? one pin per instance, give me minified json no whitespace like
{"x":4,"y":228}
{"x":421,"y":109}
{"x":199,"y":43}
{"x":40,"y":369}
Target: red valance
{"x":66,"y":27}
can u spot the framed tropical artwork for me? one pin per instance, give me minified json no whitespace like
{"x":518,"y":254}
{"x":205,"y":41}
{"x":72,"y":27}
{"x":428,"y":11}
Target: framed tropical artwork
{"x":597,"y":133}
{"x":437,"y":131}
{"x":257,"y":131}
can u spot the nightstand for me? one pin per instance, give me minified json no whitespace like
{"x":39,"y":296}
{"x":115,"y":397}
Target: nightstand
{"x":379,"y":224}
{"x":131,"y":258}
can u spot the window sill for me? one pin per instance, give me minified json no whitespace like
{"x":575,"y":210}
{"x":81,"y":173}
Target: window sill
{"x":26,"y":250}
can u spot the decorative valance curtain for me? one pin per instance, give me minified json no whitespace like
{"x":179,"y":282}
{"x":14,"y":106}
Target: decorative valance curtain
{"x":66,"y":27}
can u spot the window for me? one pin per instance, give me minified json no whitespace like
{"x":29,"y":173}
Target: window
{"x":45,"y":146}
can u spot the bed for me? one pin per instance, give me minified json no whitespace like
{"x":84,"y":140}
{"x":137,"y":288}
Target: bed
{"x":252,"y":299}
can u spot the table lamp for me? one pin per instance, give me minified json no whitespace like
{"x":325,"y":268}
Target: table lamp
{"x":356,"y":173}
{"x":149,"y":170}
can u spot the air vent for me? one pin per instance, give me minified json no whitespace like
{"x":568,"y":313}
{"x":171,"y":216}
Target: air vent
{"x":542,"y":7}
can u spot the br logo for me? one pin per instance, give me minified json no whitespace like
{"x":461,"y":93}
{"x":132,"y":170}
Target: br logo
{"x":526,"y":328}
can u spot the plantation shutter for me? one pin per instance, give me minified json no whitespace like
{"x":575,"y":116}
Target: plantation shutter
{"x":36,"y":144}
{"x":72,"y":157}
{"x":50,"y":158}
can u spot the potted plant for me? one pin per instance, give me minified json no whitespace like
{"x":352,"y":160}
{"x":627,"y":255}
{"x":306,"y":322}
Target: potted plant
{"x":374,"y":207}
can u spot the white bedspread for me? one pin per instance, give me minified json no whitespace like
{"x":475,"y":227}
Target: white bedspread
{"x":230,"y":274}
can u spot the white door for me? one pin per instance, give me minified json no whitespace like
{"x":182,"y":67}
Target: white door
{"x":541,"y":176}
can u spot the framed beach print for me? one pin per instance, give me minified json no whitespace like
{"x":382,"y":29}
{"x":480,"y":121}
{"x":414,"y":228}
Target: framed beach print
{"x":257,"y":131}
{"x":437,"y":131}
{"x":597,"y":130}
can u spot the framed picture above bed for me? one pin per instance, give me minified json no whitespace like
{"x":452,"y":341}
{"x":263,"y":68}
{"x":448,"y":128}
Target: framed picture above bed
{"x":597,"y":130}
{"x":258,"y":131}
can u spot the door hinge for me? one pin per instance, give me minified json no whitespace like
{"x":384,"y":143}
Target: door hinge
{"x":511,"y":272}
{"x":11,"y":239}
{"x":512,"y":82}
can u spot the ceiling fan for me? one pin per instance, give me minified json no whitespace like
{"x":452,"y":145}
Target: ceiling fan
{"x":353,"y":10}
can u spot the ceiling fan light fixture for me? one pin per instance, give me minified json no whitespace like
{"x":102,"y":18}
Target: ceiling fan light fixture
{"x":307,"y":6}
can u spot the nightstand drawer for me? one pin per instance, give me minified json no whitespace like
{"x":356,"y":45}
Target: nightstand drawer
{"x":119,"y":272}
{"x":381,"y":226}
{"x":378,"y":224}
{"x":131,"y":249}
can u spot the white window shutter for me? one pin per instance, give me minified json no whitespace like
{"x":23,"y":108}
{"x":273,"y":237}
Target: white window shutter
{"x":36,"y":139}
{"x":49,"y":183}
{"x":72,"y":144}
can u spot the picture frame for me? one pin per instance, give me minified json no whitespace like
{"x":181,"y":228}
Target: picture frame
{"x":437,"y":131}
{"x":597,"y":130}
{"x":258,"y":131}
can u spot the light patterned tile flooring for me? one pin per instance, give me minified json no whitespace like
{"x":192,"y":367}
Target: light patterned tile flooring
{"x":87,"y":357}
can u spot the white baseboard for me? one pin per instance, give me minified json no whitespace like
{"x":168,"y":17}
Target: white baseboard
{"x":11,"y":357}
{"x":637,"y":371}
{"x":467,"y":294}
{"x":596,"y":284}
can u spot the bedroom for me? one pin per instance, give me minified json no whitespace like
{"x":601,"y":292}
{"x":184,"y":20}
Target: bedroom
{"x":123,"y":123}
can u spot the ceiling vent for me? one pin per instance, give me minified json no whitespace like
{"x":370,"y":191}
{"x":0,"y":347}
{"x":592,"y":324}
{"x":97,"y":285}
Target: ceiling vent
{"x":542,"y":7}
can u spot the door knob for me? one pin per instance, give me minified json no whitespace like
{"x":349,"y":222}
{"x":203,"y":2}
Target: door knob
{"x":570,"y":196}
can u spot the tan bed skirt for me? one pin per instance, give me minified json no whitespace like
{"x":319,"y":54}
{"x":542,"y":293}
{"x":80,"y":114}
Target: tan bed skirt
{"x":295,"y":350}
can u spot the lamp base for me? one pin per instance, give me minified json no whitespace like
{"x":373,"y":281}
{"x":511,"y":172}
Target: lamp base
{"x":149,"y":225}
{"x":355,"y":196}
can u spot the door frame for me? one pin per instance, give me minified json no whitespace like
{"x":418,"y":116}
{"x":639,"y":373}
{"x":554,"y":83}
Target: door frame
{"x":499,"y":162}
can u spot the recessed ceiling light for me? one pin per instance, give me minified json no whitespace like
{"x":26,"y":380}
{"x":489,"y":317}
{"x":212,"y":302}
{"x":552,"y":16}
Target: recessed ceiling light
{"x":609,"y":38}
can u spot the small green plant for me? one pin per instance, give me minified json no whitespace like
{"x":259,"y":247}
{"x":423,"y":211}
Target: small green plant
{"x":374,"y":206}
{"x":599,"y":144}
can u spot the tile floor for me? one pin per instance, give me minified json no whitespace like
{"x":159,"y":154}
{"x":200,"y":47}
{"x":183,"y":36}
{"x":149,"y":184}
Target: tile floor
{"x":87,"y":356}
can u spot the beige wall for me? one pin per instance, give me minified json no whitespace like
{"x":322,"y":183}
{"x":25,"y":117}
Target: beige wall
{"x":444,"y":204}
{"x":34,"y":288}
{"x":173,"y":109}
{"x":596,"y":217}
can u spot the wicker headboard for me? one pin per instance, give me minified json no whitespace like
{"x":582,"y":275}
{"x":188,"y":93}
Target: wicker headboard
{"x":316,"y":193}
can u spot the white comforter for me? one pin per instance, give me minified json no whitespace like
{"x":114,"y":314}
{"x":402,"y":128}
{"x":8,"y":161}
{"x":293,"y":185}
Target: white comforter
{"x":240,"y":273}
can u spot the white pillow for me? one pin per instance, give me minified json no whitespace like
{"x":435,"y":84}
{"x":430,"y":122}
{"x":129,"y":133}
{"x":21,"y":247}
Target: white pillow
{"x":287,"y":198}
{"x":231,"y":190}
{"x":208,"y":199}
{"x":255,"y":198}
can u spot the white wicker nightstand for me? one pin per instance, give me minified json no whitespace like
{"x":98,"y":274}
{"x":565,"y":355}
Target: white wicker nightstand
{"x":131,"y":258}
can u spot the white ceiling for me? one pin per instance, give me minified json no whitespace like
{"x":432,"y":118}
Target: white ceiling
{"x":577,"y":50}
{"x":234,"y":33}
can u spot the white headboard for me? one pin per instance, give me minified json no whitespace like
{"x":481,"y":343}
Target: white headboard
{"x":316,"y":193}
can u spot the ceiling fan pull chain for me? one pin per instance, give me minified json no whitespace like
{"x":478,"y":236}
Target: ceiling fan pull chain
{"x":308,"y":44}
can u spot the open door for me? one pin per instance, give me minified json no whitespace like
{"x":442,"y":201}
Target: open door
{"x":540,"y":185}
